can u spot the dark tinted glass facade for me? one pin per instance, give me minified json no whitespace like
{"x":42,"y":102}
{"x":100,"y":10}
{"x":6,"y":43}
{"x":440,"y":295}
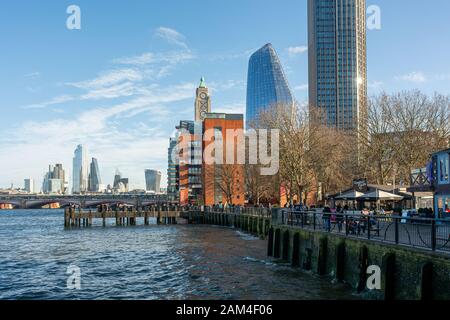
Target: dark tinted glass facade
{"x":267,"y":84}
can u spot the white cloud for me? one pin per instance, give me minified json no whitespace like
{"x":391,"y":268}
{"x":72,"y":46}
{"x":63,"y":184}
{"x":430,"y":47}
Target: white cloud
{"x":233,"y":55}
{"x":294,"y":51}
{"x":233,"y":108}
{"x":174,"y":57}
{"x":56,"y":100}
{"x":415,"y":77}
{"x":302,"y":87}
{"x":33,"y":75}
{"x":132,"y":147}
{"x":111,"y":77}
{"x":172,"y":36}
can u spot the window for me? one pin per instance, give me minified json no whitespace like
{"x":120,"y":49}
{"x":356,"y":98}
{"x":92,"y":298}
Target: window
{"x":443,"y":169}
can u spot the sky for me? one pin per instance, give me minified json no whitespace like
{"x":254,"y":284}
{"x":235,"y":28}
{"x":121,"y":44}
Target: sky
{"x":121,"y":83}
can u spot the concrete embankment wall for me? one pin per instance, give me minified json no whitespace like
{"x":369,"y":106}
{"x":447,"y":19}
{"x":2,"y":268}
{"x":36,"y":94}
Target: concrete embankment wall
{"x":406,"y":273}
{"x":254,"y":224}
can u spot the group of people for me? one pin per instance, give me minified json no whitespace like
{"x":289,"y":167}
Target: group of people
{"x":354,"y":224}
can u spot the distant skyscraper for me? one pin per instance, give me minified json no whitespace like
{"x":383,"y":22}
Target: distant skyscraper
{"x":29,"y":185}
{"x":117,"y":178}
{"x":337,"y":61}
{"x":95,"y":181}
{"x":153,"y":180}
{"x":202,"y":101}
{"x":54,"y":180}
{"x":267,"y":84}
{"x":80,"y":170}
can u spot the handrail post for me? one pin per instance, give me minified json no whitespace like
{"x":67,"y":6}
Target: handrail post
{"x":347,"y":229}
{"x":433,"y":234}
{"x":314,"y":218}
{"x":396,"y":230}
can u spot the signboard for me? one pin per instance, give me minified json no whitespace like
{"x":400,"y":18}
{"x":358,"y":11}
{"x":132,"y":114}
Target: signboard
{"x":360,"y":185}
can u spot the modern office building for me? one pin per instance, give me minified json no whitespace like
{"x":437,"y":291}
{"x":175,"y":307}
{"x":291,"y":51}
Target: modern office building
{"x":54,"y":180}
{"x":267,"y":84}
{"x":223,"y":182}
{"x":338,"y":62}
{"x":95,"y":180}
{"x":202,"y":101}
{"x":29,"y":185}
{"x":80,"y":170}
{"x":153,"y":180}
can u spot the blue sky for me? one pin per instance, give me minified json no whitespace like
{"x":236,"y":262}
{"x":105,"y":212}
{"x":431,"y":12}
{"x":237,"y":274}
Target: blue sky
{"x":121,"y":83}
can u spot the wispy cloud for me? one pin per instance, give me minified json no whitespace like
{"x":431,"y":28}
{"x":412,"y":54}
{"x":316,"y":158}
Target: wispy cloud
{"x":33,"y":75}
{"x":174,"y":57}
{"x":295,"y":51}
{"x":232,"y":55}
{"x":415,"y":77}
{"x":172,"y":36}
{"x":233,"y":108}
{"x":109,"y":78}
{"x":54,"y":101}
{"x":301,"y":87}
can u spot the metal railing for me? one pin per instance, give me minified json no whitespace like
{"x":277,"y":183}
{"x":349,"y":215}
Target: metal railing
{"x":260,"y":212}
{"x":432,"y":234}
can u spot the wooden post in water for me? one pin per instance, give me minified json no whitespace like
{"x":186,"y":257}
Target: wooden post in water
{"x":146,"y":217}
{"x":104,"y":219}
{"x":66,"y":217}
{"x":90,"y":219}
{"x":159,"y":215}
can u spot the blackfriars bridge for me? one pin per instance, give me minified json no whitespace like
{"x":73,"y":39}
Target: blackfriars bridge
{"x":81,"y":201}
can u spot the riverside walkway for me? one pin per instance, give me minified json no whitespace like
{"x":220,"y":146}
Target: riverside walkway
{"x":430,"y":234}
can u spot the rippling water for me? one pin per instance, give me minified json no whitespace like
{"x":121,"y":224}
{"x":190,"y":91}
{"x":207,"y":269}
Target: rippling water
{"x":148,"y":262}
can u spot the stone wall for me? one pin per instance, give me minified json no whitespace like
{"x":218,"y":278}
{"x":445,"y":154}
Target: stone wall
{"x":406,"y":273}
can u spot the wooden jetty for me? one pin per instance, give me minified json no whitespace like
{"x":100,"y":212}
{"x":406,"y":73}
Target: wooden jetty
{"x":77,"y":218}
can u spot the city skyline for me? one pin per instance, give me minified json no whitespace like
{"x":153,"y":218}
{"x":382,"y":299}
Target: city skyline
{"x":122,"y":94}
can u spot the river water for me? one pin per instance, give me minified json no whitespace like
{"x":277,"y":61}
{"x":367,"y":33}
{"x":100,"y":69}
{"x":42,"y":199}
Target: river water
{"x":144,"y":262}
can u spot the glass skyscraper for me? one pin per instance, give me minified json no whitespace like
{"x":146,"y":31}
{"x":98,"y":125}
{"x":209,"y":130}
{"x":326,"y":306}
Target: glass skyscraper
{"x":267,"y":84}
{"x":153,"y":180}
{"x":337,"y":61}
{"x":80,"y":170}
{"x":95,"y":181}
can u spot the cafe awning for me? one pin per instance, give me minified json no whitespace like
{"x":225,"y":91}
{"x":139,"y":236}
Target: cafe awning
{"x":380,"y":195}
{"x":349,"y":195}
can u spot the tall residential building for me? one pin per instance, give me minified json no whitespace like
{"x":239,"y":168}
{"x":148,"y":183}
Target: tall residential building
{"x":95,"y":180}
{"x":223,"y":182}
{"x":80,"y":170}
{"x":202,"y":101}
{"x":153,"y":180}
{"x":189,"y":162}
{"x":172,"y":172}
{"x":338,"y":62}
{"x":267,"y":84}
{"x":29,"y":185}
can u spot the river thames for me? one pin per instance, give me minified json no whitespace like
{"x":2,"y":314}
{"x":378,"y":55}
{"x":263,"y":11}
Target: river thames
{"x":175,"y":262}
